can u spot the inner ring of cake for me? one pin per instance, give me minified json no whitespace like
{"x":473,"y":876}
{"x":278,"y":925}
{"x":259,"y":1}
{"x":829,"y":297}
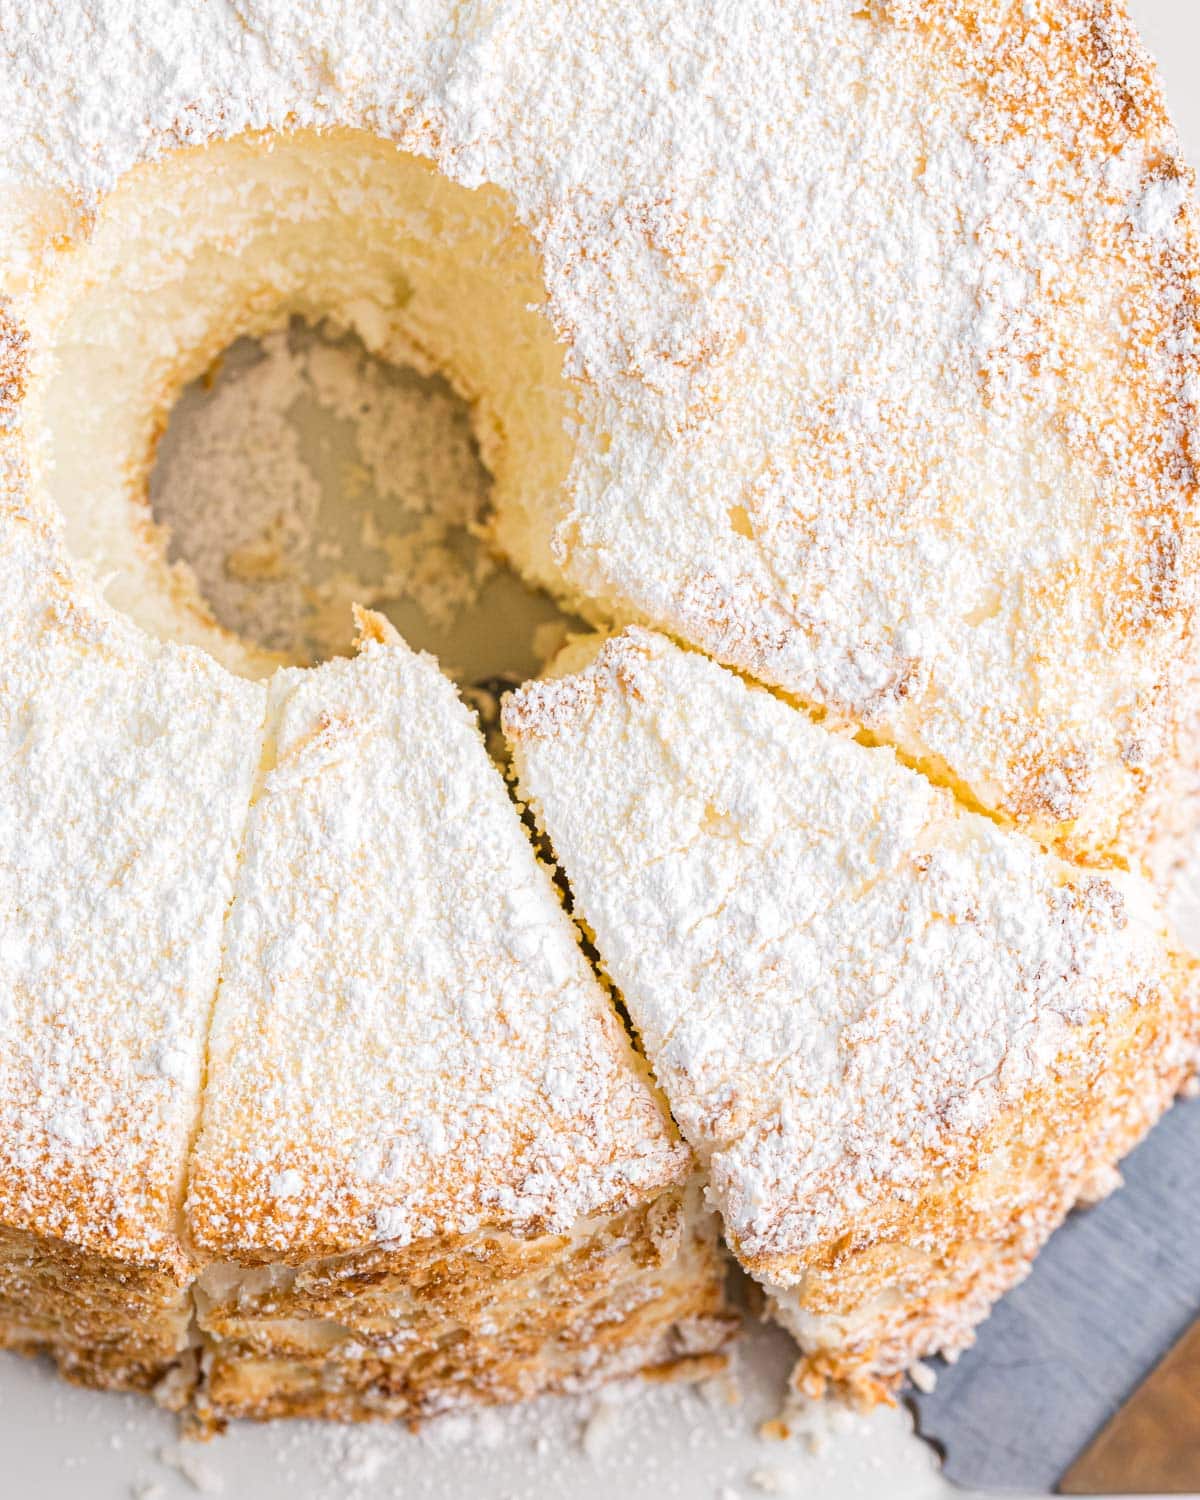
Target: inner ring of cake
{"x":214,"y":243}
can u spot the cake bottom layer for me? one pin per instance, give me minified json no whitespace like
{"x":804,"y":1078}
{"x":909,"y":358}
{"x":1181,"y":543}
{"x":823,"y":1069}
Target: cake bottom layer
{"x":105,"y":1322}
{"x":486,"y":1319}
{"x":437,"y":1326}
{"x":675,"y":1336}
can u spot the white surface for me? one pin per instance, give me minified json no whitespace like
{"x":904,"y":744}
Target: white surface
{"x":669,"y":1443}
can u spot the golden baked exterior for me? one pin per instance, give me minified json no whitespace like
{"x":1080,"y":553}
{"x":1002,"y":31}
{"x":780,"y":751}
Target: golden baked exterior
{"x":123,"y":787}
{"x":456,"y":1320}
{"x":423,"y":1123}
{"x":903,"y":1041}
{"x":876,"y":329}
{"x":853,"y":343}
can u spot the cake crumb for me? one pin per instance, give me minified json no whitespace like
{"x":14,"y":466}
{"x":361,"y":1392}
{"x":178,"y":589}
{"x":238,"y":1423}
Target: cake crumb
{"x":600,"y":1429}
{"x":242,"y":484}
{"x":773,"y":1481}
{"x":183,"y":1458}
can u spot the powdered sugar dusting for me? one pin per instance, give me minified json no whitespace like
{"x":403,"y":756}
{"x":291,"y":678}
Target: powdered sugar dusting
{"x":123,"y":787}
{"x":851,"y":297}
{"x":883,"y":321}
{"x":408,"y":1040}
{"x":839,"y":977}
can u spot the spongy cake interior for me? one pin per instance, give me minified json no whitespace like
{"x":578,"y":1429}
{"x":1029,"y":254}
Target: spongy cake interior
{"x":339,"y":226}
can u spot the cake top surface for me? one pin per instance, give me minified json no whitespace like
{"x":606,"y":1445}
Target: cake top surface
{"x":853,"y":294}
{"x":408,"y":1039}
{"x":125,"y":773}
{"x":839,"y":976}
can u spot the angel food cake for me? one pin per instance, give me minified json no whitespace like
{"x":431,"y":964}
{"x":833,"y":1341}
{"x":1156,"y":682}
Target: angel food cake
{"x":850,"y":342}
{"x":903,"y":1041}
{"x":124,"y":784}
{"x":430,"y":1169}
{"x":424,"y":1122}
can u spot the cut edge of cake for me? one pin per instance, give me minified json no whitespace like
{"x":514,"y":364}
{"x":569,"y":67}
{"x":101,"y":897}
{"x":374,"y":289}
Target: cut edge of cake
{"x":744,"y":832}
{"x":446,"y":1177}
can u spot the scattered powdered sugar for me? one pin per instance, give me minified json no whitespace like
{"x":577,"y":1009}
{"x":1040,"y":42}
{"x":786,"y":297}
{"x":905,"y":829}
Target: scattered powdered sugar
{"x":603,"y":1427}
{"x":677,"y":1443}
{"x":634,"y":1438}
{"x":1182,"y":882}
{"x":408,"y":1040}
{"x":773,"y":1481}
{"x":1159,"y":206}
{"x":837,"y":974}
{"x":285,"y":1184}
{"x":190,"y":1461}
{"x":850,"y":295}
{"x":364,"y":1463}
{"x":282,"y":542}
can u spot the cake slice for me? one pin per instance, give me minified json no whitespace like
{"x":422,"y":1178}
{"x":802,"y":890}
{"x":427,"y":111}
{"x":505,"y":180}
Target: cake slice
{"x":125,"y":775}
{"x":903,"y":1040}
{"x":431,"y":1170}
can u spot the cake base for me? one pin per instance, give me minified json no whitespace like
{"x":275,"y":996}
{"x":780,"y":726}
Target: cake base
{"x":483,"y":1319}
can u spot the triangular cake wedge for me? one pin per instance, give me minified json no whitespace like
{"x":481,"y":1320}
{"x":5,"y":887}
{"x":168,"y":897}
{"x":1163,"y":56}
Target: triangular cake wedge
{"x":432,"y":1170}
{"x":125,"y":776}
{"x":903,"y":1040}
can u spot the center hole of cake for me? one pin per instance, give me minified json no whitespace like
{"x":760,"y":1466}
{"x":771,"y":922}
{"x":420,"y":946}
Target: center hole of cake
{"x":302,"y":475}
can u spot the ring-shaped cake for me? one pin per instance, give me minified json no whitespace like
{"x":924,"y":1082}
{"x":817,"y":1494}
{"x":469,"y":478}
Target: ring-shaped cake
{"x":851,"y":343}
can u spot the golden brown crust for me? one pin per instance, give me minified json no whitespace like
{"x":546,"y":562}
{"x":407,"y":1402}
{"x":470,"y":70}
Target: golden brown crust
{"x":14,"y":352}
{"x":669,"y":1336}
{"x":106,"y":1322}
{"x":914,"y":1278}
{"x":489,"y":1318}
{"x":408,"y":1334}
